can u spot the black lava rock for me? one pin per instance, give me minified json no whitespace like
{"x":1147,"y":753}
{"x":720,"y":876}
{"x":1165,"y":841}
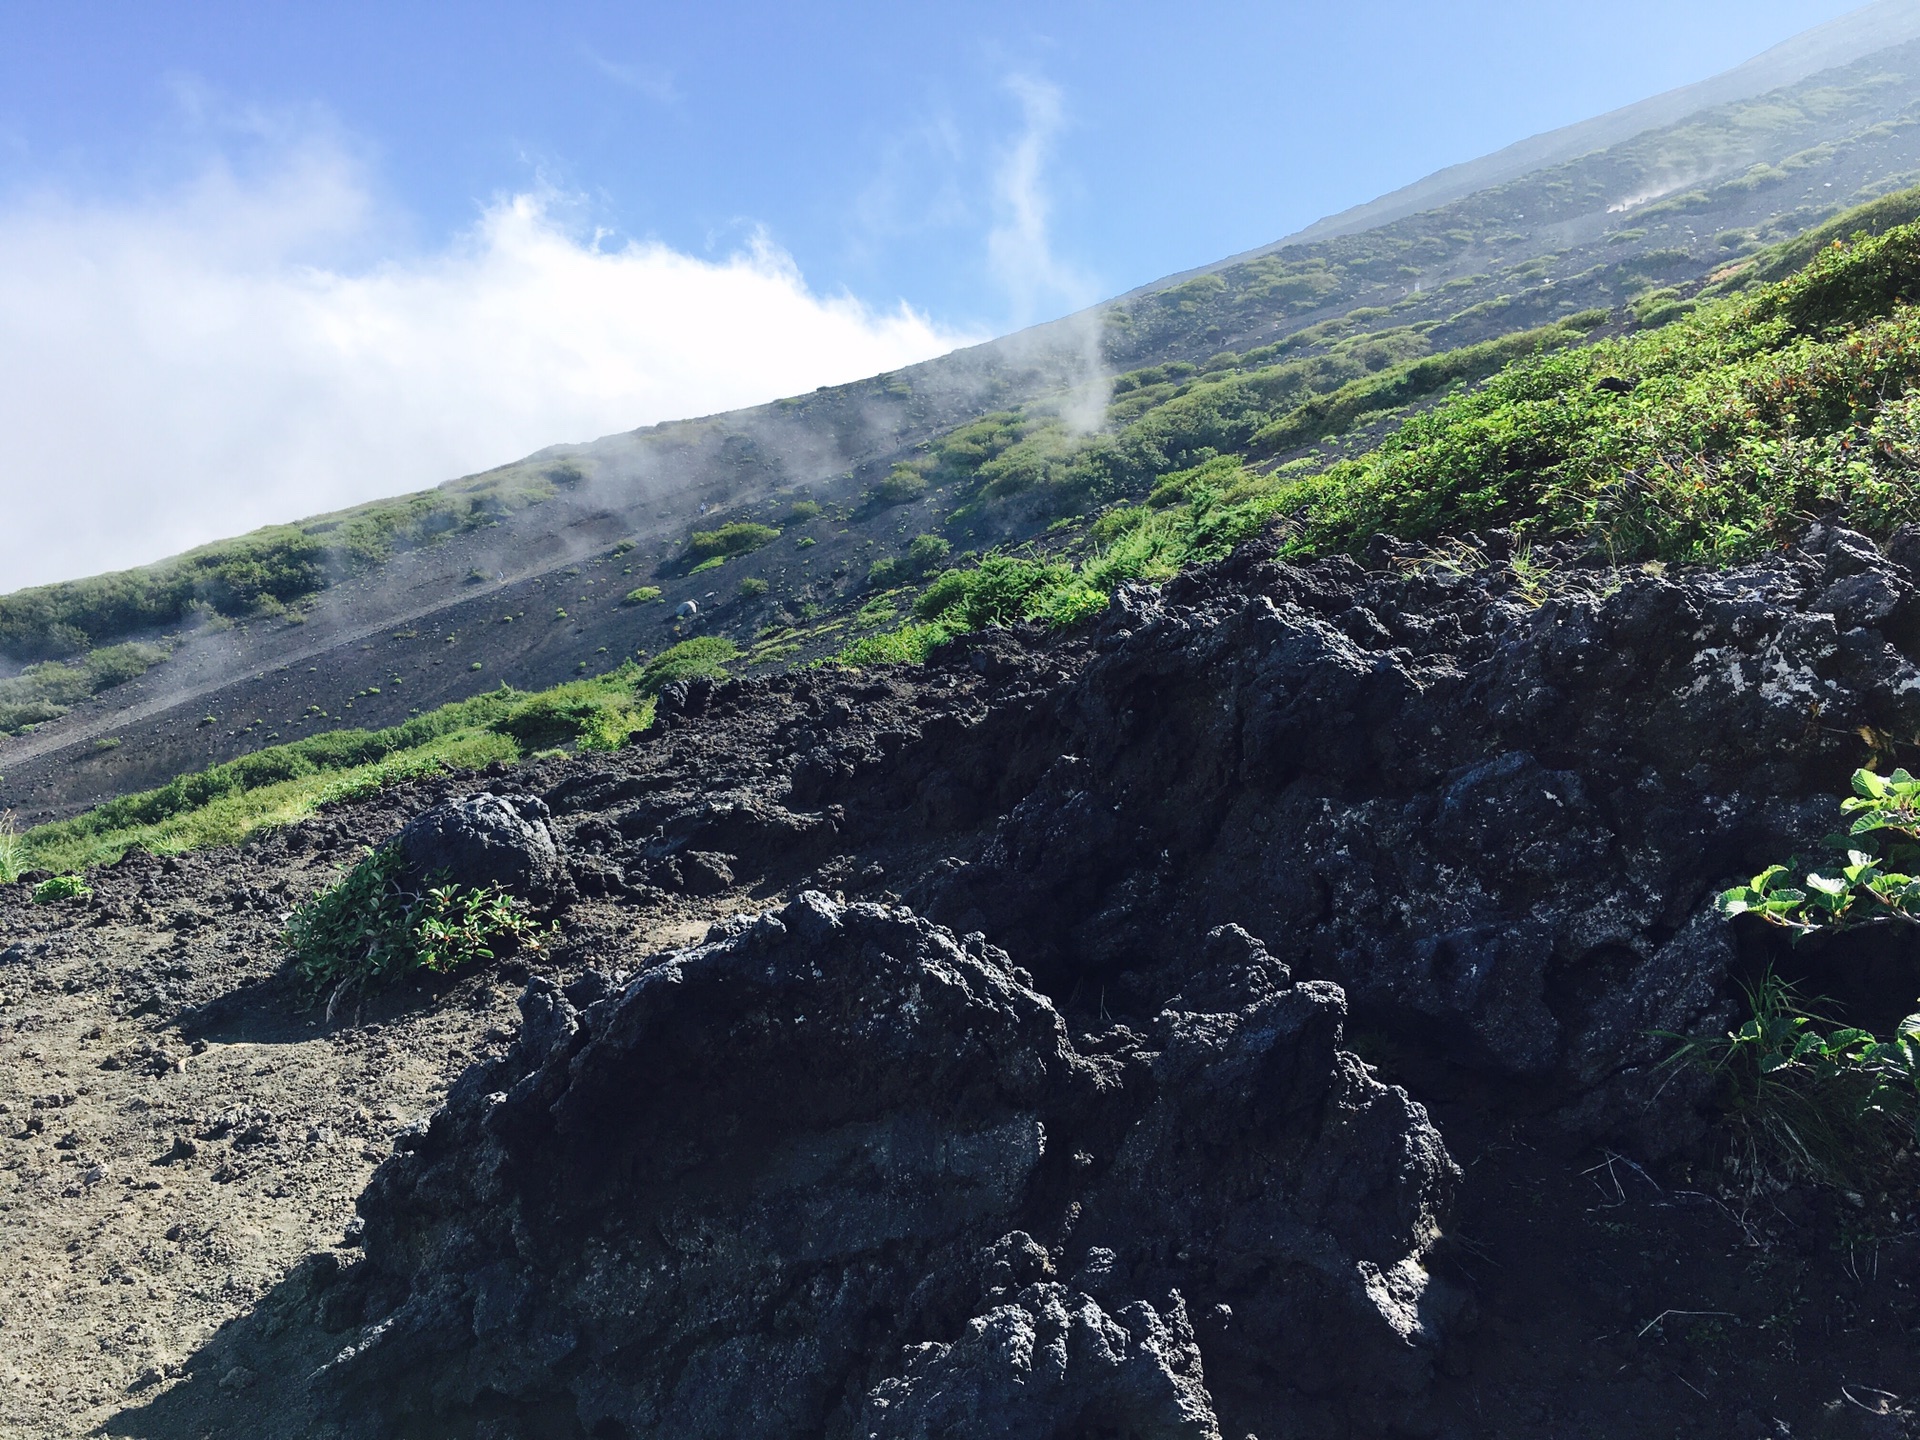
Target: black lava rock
{"x":816,"y":1175}
{"x":487,"y":840}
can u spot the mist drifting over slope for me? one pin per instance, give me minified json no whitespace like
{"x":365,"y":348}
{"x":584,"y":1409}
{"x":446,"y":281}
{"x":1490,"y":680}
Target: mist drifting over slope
{"x":197,"y":362}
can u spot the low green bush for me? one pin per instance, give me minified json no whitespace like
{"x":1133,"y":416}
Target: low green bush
{"x":46,"y":690}
{"x":741,"y":537}
{"x":902,"y":485}
{"x":703,"y":655}
{"x":1869,"y":879}
{"x":376,"y":924}
{"x":641,"y":595}
{"x":752,"y":587}
{"x":927,"y":553}
{"x":61,"y":887}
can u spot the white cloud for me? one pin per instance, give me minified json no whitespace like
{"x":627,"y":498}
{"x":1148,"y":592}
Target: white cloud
{"x":191,"y":365}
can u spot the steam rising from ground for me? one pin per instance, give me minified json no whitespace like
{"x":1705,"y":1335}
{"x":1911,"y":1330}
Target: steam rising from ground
{"x":191,"y":365}
{"x":1020,"y":248}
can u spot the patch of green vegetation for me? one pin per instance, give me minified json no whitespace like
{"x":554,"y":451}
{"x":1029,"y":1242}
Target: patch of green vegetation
{"x":741,"y":537}
{"x":56,"y":888}
{"x":1712,"y":438}
{"x":602,"y":713}
{"x":927,"y":553}
{"x":284,"y":783}
{"x":377,"y":924}
{"x":1336,"y":412}
{"x":641,"y":595}
{"x":1869,"y":878}
{"x":1812,"y":1097}
{"x":259,"y":573}
{"x":13,"y":854}
{"x":1201,"y":515}
{"x":752,"y":587}
{"x":901,"y":485}
{"x":801,"y":512}
{"x":1874,"y":218}
{"x":703,"y":655}
{"x":880,"y":610}
{"x":46,"y":690}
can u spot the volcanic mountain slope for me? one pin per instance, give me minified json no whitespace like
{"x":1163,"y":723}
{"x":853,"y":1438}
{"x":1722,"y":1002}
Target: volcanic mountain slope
{"x":1241,"y":1018}
{"x":513,"y":576}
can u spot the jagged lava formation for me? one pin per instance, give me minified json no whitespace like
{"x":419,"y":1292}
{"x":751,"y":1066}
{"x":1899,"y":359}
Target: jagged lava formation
{"x":1058,"y":1136}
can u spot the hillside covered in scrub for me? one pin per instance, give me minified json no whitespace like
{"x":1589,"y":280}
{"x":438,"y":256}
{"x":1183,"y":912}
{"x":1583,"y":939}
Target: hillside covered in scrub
{"x":1299,"y":356}
{"x":1326,"y":849}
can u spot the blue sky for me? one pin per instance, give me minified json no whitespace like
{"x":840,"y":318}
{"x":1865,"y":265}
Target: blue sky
{"x":259,"y":260}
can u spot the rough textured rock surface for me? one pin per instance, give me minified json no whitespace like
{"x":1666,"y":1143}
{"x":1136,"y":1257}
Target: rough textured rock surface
{"x":727,"y":1197}
{"x":1110,"y":1163}
{"x":487,"y":840}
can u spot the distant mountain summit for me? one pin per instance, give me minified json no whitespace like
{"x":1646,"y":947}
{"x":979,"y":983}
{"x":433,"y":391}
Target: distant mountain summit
{"x":1861,"y":33}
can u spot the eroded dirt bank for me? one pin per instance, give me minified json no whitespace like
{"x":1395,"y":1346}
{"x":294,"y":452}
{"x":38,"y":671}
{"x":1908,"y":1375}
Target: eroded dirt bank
{"x":1238,"y":1020}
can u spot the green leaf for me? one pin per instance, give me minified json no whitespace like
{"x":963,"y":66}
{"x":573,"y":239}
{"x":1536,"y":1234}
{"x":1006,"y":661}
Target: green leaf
{"x":1871,"y":786}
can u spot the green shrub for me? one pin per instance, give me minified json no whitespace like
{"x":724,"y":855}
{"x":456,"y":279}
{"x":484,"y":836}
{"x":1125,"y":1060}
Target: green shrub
{"x":742,"y":537}
{"x":752,"y":587}
{"x":641,"y":595}
{"x":592,"y":714}
{"x":908,"y":645}
{"x":376,"y":924}
{"x":707,"y":655}
{"x":259,"y":573}
{"x":902,"y":484}
{"x":801,"y":512}
{"x":61,"y":887}
{"x":927,"y":553}
{"x":884,"y":572}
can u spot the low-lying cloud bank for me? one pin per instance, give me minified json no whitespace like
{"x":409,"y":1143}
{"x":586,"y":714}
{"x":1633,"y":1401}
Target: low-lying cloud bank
{"x":183,"y":367}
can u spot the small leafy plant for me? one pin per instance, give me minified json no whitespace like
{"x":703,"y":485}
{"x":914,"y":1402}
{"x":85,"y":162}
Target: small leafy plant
{"x":1873,"y":885}
{"x":61,"y":887}
{"x":1828,"y":1099}
{"x":1812,"y":1097}
{"x":376,"y":925}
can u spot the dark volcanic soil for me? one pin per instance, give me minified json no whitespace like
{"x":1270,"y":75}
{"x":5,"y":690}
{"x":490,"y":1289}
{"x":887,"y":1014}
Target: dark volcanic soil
{"x":1239,"y":1020}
